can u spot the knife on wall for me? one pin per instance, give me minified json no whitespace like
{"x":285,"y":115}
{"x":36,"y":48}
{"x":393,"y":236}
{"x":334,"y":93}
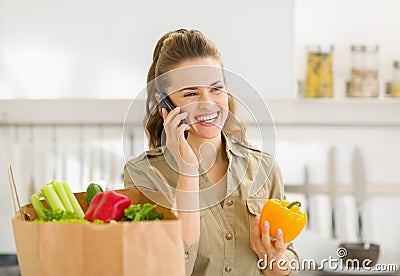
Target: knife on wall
{"x":332,"y":188}
{"x":307,"y":194}
{"x":360,"y":188}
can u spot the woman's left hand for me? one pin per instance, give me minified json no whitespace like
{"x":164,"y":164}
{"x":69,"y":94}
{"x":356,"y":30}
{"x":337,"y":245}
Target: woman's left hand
{"x":262,"y":243}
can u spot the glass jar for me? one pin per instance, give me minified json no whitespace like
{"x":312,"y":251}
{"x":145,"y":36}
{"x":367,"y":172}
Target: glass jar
{"x":319,"y":76}
{"x":364,"y":71}
{"x":396,"y":79}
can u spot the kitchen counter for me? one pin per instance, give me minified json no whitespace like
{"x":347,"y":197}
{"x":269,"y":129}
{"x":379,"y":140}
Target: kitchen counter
{"x":11,"y":270}
{"x":321,"y":273}
{"x":9,"y":265}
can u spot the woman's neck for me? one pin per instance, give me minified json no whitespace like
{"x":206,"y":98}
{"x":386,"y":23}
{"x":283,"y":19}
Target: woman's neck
{"x":207,"y":150}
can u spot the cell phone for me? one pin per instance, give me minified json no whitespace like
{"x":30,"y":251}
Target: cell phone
{"x":168,"y":105}
{"x":165,"y":103}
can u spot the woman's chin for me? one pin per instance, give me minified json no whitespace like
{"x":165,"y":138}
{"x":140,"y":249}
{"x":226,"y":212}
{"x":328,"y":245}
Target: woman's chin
{"x":208,"y":132}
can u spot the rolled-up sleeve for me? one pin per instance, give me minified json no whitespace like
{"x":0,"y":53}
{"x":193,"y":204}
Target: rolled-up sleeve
{"x":128,"y":183}
{"x":134,"y":175}
{"x":190,"y":256}
{"x":135,"y":178}
{"x":292,"y":255}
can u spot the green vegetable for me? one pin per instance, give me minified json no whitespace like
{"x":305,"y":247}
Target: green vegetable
{"x":62,"y":194}
{"x":92,"y":190}
{"x":75,"y":204}
{"x":60,"y":216}
{"x":139,"y":212}
{"x":38,"y":206}
{"x":50,"y":194}
{"x":62,"y":202}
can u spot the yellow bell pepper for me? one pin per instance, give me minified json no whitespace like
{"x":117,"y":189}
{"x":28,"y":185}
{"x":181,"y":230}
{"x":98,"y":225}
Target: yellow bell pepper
{"x":284,"y":215}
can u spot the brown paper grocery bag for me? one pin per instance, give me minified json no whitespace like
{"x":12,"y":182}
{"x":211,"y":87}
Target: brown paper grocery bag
{"x":129,"y":248}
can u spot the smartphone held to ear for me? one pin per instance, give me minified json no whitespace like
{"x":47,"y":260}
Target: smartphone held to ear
{"x":165,"y":102}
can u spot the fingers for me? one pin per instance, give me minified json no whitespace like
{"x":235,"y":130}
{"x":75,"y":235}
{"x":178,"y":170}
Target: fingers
{"x":181,"y":130}
{"x":178,"y":118}
{"x":256,"y":227}
{"x":266,"y":238}
{"x":168,"y":116}
{"x":262,"y":243}
{"x":164,"y":114}
{"x":173,"y":118}
{"x":263,"y":239}
{"x":279,"y":243}
{"x":171,"y":123}
{"x":255,"y":234}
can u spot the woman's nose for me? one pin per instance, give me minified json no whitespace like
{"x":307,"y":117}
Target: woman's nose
{"x":205,"y":94}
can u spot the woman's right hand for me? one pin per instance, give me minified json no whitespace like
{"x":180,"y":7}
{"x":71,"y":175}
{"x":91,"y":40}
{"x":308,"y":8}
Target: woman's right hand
{"x":177,"y":144}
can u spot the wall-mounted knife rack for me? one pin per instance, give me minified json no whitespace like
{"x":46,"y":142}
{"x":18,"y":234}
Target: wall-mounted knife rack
{"x":345,"y":189}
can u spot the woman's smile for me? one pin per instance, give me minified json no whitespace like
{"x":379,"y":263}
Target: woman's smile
{"x":208,"y":119}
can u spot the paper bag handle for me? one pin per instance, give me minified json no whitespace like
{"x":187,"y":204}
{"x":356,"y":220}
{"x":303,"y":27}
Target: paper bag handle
{"x":14,"y":192}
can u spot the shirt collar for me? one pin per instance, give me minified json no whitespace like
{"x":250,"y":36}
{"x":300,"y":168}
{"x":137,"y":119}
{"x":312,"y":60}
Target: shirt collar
{"x":232,"y":146}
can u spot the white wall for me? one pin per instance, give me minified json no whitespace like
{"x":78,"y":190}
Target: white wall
{"x":102,"y":49}
{"x":342,"y":23}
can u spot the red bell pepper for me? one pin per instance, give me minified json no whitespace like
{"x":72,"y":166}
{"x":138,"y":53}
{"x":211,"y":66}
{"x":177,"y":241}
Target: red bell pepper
{"x":107,"y":206}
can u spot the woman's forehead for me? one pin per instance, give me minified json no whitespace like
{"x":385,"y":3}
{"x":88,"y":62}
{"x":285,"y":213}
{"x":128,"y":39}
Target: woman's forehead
{"x":193,"y":76}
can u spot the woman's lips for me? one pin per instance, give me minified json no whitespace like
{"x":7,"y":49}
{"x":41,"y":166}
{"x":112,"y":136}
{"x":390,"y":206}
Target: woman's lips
{"x":207,"y":119}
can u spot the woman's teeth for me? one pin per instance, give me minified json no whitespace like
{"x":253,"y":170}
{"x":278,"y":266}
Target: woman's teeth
{"x":207,"y":118}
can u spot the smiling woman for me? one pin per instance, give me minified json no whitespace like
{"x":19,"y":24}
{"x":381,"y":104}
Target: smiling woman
{"x":203,"y":66}
{"x":207,"y":162}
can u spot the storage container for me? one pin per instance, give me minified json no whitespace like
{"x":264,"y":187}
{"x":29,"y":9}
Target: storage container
{"x":396,"y":79}
{"x":319,"y":75}
{"x":364,"y":71}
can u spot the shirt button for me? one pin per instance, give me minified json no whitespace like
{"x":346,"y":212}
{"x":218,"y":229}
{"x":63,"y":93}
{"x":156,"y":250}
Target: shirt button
{"x":230,"y":202}
{"x":228,"y":268}
{"x":186,"y":255}
{"x":228,"y":236}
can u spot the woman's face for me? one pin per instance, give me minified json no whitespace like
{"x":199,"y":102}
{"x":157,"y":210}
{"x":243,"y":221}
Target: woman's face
{"x":197,"y":86}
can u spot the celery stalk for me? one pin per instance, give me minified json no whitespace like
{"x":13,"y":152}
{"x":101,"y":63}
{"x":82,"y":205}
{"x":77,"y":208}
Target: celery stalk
{"x":62,"y":194}
{"x":75,"y":204}
{"x":51,"y":197}
{"x":38,"y":206}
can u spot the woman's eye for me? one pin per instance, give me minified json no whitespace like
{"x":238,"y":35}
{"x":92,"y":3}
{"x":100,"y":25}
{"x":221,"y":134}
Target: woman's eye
{"x":190,"y":94}
{"x":217,"y":88}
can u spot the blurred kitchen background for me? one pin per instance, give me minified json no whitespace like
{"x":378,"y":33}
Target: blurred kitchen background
{"x":69,"y":71}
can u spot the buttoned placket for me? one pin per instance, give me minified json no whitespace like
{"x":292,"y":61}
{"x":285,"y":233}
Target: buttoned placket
{"x":228,"y":216}
{"x":225,"y":219}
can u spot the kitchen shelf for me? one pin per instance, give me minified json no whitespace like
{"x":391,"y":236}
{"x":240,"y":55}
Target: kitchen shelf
{"x":69,"y":112}
{"x":349,"y":112}
{"x":334,"y":112}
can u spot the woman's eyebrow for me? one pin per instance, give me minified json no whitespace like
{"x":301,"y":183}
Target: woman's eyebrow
{"x":195,"y":87}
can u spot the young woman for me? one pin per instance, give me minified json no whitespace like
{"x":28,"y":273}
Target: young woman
{"x":212,"y":167}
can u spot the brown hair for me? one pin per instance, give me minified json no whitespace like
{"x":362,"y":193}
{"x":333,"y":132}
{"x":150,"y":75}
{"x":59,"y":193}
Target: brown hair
{"x":172,"y":49}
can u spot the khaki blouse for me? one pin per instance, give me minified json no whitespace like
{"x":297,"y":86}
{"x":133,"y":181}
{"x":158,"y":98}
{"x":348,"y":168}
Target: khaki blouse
{"x":224,"y":246}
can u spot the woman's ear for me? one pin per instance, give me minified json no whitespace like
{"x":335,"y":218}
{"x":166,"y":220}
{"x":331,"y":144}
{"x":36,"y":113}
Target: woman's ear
{"x":157,"y":96}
